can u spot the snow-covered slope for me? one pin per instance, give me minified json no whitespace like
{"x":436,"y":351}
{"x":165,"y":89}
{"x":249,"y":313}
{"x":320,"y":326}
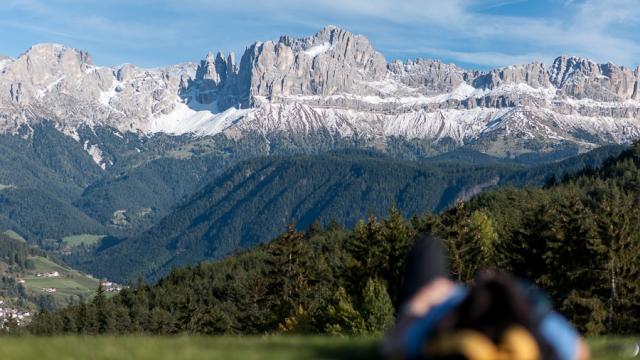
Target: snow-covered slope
{"x":331,"y":83}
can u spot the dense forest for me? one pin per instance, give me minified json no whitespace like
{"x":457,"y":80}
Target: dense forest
{"x":14,"y":252}
{"x":576,"y":238}
{"x":253,"y":201}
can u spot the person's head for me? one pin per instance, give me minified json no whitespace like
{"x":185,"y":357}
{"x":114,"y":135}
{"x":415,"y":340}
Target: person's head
{"x":495,"y":318}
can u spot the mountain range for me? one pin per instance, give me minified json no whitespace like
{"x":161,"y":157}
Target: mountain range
{"x":327,"y":89}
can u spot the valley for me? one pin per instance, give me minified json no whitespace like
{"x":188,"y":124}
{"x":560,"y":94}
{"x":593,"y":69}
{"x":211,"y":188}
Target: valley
{"x":32,"y":281}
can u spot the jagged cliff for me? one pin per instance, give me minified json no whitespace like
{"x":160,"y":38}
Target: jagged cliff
{"x":333,"y":83}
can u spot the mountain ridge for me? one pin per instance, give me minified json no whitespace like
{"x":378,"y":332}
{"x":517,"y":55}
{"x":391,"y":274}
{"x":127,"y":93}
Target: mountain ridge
{"x":333,"y":84}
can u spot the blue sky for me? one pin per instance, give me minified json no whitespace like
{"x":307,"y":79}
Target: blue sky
{"x":472,"y":33}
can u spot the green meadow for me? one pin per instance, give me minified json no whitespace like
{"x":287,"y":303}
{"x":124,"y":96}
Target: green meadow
{"x":186,"y":348}
{"x":246,"y":348}
{"x":14,"y":235}
{"x":86,"y":239}
{"x":71,"y":283}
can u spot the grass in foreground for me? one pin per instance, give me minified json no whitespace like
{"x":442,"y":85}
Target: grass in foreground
{"x":200,"y":347}
{"x":187,"y":348}
{"x":614,"y":348}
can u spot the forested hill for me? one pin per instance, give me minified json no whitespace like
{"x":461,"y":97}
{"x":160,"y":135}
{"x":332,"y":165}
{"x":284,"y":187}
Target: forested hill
{"x":253,"y":201}
{"x":577,"y":239}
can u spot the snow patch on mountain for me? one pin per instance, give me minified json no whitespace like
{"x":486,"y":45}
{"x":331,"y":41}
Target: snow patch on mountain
{"x":318,"y":49}
{"x":96,"y":154}
{"x":461,"y":92}
{"x":458,"y":125}
{"x":4,"y":61}
{"x":71,"y":132}
{"x":185,"y":120}
{"x":42,"y":92}
{"x":602,"y":104}
{"x":106,"y":96}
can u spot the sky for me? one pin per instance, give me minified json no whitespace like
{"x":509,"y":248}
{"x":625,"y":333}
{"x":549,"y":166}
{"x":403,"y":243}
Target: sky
{"x":472,"y":33}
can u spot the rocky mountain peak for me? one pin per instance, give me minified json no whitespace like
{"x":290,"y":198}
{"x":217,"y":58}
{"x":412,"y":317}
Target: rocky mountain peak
{"x":582,"y":78}
{"x":231,"y":59}
{"x":333,"y":35}
{"x":207,"y":69}
{"x":430,"y":76}
{"x":44,"y":68}
{"x":564,"y":67}
{"x":329,"y":62}
{"x":221,"y":67}
{"x":57,"y":54}
{"x":333,"y":82}
{"x":534,"y":75}
{"x":125,"y":72}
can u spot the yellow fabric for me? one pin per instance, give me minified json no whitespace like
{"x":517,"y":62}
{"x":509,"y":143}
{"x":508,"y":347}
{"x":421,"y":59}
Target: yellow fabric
{"x":516,"y":344}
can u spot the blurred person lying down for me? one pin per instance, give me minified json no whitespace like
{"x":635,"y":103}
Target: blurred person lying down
{"x":498,"y":318}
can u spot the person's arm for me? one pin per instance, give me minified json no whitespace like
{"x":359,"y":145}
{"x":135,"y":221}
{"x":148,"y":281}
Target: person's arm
{"x":563,"y":337}
{"x":430,"y":295}
{"x":434,"y":293}
{"x":584,"y":353}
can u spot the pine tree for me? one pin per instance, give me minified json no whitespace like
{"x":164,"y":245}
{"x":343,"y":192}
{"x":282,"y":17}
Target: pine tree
{"x":617,"y":228}
{"x":399,"y":236}
{"x":369,"y":253}
{"x":288,"y":270}
{"x":377,"y":308}
{"x":105,"y":320}
{"x":343,"y":318}
{"x":472,"y":242}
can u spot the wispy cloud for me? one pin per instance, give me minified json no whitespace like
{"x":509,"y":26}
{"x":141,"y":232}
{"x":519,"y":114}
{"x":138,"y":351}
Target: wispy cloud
{"x":485,"y":58}
{"x":468,"y":28}
{"x":482,"y":32}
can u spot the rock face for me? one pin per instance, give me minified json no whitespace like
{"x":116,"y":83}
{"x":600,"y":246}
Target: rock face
{"x":332,"y":85}
{"x":333,"y":61}
{"x":60,"y":84}
{"x":42,"y":69}
{"x":534,"y":75}
{"x":582,"y":78}
{"x":209,"y":75}
{"x":429,"y":76}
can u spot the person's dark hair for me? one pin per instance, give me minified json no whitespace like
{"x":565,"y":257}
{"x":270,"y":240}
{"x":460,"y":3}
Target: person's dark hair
{"x":427,"y":260}
{"x":494,"y":304}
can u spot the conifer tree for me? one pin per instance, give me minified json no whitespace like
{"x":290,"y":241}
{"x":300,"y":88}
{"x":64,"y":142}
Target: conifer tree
{"x":343,"y":318}
{"x":377,"y":308}
{"x":105,"y":320}
{"x":288,"y":270}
